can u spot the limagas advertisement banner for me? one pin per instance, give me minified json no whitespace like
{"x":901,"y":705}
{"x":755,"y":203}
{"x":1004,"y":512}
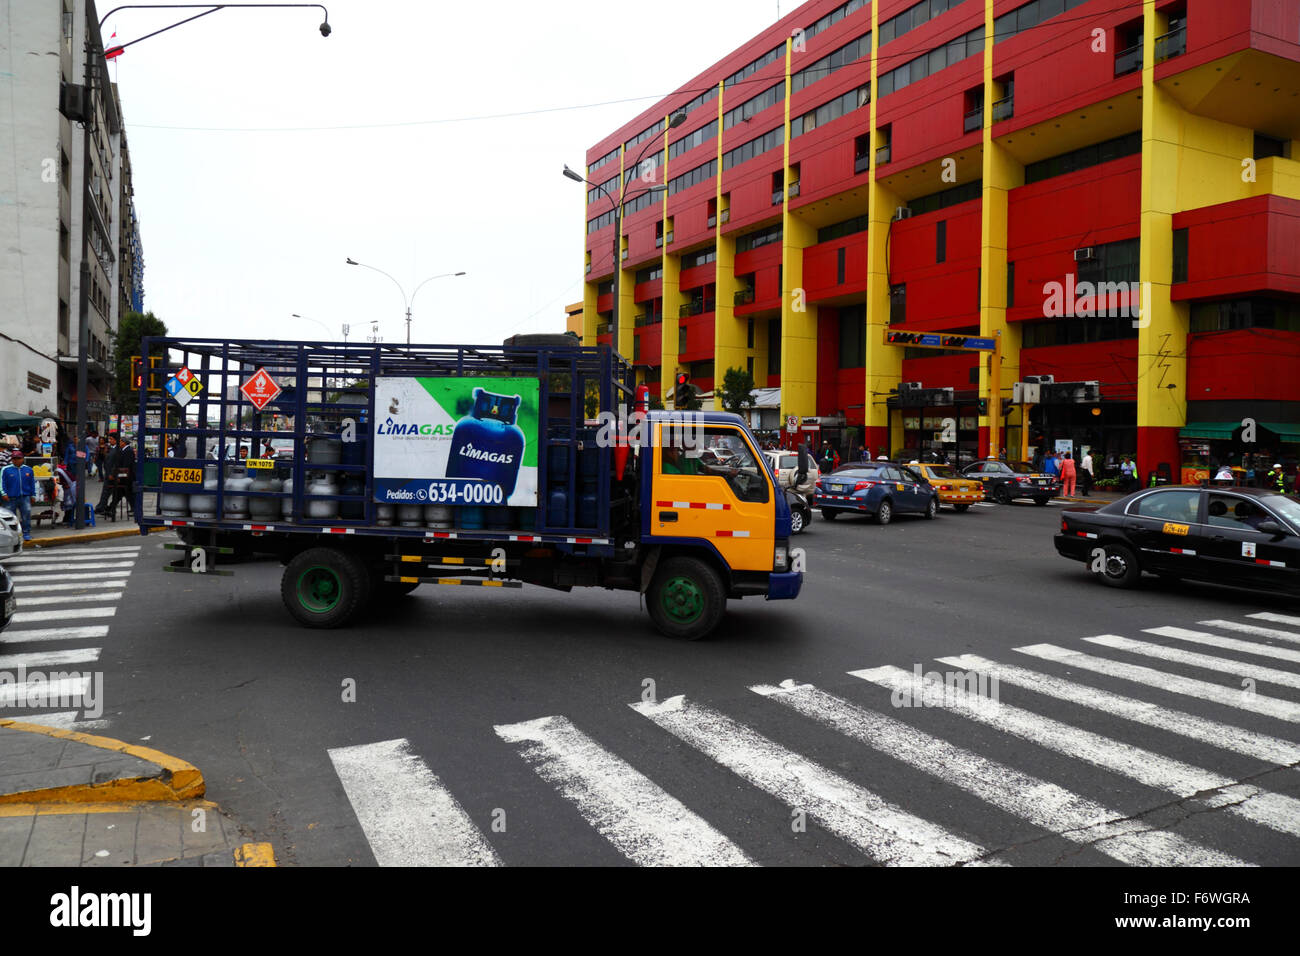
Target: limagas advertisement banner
{"x":456,"y":441}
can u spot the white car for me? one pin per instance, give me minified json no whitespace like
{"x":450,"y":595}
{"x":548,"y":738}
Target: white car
{"x":11,"y":534}
{"x":786,"y":466}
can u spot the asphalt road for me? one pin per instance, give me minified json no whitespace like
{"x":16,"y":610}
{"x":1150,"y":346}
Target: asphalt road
{"x":213,"y":670}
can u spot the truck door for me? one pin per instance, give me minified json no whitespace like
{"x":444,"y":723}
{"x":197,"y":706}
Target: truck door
{"x":710,"y":485}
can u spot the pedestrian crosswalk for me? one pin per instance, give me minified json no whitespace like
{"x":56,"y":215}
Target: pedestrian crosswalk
{"x":1106,"y":748}
{"x":47,"y":660}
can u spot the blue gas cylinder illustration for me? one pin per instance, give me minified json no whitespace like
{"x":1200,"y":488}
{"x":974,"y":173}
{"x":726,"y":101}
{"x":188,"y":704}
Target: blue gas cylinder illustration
{"x":487,"y":445}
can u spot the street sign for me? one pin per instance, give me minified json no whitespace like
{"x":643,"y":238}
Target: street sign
{"x":183,"y":386}
{"x":964,"y":343}
{"x":261,"y":389}
{"x":792,"y":424}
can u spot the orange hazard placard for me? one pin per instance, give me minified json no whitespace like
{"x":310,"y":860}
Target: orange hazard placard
{"x":261,"y":389}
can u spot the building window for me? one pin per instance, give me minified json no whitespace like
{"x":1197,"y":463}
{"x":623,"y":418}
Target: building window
{"x":1266,"y":146}
{"x":749,"y":333}
{"x":862,"y":153}
{"x":840,"y":230}
{"x":761,"y":237}
{"x":1011,"y":284}
{"x":749,"y":366}
{"x":753,"y":106}
{"x":1128,"y":145}
{"x":1234,"y":314}
{"x":851,"y":52}
{"x":681,"y":339}
{"x":649,"y":274}
{"x":63,"y":319}
{"x":691,"y":140}
{"x":1075,"y":331}
{"x":973,"y":109}
{"x":932,"y":62}
{"x":1180,"y":255}
{"x":755,"y":147}
{"x":636,"y":348}
{"x":828,"y":112}
{"x":1113,"y":262}
{"x":840,"y":265}
{"x":941,"y":241}
{"x":701,"y":370}
{"x":700,"y":258}
{"x":897,"y":304}
{"x":699,"y":174}
{"x":853,"y":338}
{"x":946,"y":198}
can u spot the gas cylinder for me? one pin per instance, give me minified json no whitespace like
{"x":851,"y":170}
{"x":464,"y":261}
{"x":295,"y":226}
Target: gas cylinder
{"x":439,"y":517}
{"x":205,"y":505}
{"x":410,"y":516}
{"x":487,"y":445}
{"x":236,"y":506}
{"x":264,"y":509}
{"x":322,"y":484}
{"x":385,"y":515}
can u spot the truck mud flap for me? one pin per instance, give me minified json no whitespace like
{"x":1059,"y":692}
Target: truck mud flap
{"x":198,"y":559}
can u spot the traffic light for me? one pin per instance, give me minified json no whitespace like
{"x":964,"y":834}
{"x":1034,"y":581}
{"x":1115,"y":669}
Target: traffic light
{"x":683,"y":392}
{"x":983,"y":406}
{"x":137,"y":371}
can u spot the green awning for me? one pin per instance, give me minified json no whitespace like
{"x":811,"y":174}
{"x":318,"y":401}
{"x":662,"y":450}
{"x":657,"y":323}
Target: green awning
{"x":10,"y":420}
{"x":1286,"y":431}
{"x":1209,"y":430}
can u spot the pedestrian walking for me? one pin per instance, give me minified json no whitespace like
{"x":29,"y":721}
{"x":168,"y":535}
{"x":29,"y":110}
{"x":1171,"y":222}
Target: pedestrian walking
{"x":17,"y":488}
{"x":108,"y":453}
{"x":1086,"y":476}
{"x":67,"y":492}
{"x":91,"y":446}
{"x":1050,"y":465}
{"x":1068,"y":475}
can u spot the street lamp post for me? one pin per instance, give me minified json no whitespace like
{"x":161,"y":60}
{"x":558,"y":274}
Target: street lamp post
{"x":441,"y":275}
{"x":95,"y":51}
{"x":624,"y":179}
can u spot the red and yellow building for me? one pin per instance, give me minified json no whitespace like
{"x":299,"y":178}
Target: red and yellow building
{"x":955,"y":166}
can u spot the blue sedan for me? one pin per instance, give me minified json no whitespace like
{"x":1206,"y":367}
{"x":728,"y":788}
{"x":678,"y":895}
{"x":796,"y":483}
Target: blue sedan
{"x":880,"y":489}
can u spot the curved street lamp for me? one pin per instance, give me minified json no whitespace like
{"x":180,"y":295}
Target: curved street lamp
{"x":114,"y":51}
{"x":441,"y":275}
{"x":677,"y":119}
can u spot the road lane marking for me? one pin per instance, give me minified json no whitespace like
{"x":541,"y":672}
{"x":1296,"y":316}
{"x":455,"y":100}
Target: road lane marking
{"x":1276,"y":618}
{"x":645,"y":823}
{"x":115,"y":554}
{"x":48,"y":658}
{"x":1172,"y":683}
{"x":885,"y":832}
{"x":33,"y":617}
{"x":1274,"y":750}
{"x":85,"y":566}
{"x":1272,"y":810}
{"x":43,"y":690}
{"x":28,"y":588}
{"x":25,"y":601}
{"x":1174,"y":655}
{"x":1256,"y":629}
{"x":1054,"y":809}
{"x":54,"y":634}
{"x":407,"y":815}
{"x":65,"y":720}
{"x":1226,"y":643}
{"x":29,"y":579}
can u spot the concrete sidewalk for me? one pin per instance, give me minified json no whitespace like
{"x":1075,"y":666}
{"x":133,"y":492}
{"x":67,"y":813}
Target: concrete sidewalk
{"x":46,"y":535}
{"x":75,"y":799}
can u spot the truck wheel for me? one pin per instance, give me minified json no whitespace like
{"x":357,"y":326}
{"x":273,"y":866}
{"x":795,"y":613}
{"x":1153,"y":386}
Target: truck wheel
{"x":324,"y":587}
{"x":686,"y":598}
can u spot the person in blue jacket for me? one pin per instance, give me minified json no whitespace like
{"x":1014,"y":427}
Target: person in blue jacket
{"x":17,"y":486}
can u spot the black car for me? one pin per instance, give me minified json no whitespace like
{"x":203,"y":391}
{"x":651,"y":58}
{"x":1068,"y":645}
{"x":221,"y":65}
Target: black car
{"x":6,"y":598}
{"x":800,"y":511}
{"x":1005,"y":481}
{"x":1249,"y":537}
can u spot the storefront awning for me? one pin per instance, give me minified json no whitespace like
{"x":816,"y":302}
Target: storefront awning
{"x":1286,"y":431}
{"x":1209,"y":430}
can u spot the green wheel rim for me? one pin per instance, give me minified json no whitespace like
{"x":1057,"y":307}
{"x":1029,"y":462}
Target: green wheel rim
{"x":319,"y":589}
{"x":682,"y":600}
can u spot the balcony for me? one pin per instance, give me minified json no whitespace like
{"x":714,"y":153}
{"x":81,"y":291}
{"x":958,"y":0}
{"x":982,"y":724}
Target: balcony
{"x":744,"y":297}
{"x":711,"y":221}
{"x":883,"y":154}
{"x":1004,"y":109}
{"x":1172,"y":44}
{"x":726,"y":215}
{"x":794,"y":190}
{"x":974,"y":120}
{"x":777,"y":196}
{"x":861,"y":163}
{"x":1128,"y":61}
{"x":659,"y":242}
{"x":648,"y":318}
{"x":691,"y":308}
{"x":603,"y":328}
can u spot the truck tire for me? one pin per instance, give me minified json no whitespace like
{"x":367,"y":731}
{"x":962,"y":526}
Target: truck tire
{"x":686,"y":598}
{"x":324,"y":587}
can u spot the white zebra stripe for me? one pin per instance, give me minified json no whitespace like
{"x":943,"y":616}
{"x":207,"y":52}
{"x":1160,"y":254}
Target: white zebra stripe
{"x":29,"y":588}
{"x":84,"y":566}
{"x":62,"y":554}
{"x":1276,"y":618}
{"x":26,"y":601}
{"x":1226,"y":643}
{"x":46,"y":692}
{"x":1275,"y":811}
{"x":1274,"y":750}
{"x":1172,"y":683}
{"x":1174,"y":655}
{"x":72,"y":613}
{"x":885,"y":832}
{"x":92,"y":631}
{"x":1045,"y":805}
{"x":30,"y":579}
{"x":50,"y":658}
{"x":645,"y":823}
{"x":408,"y":816}
{"x":65,"y":720}
{"x":1256,"y":629}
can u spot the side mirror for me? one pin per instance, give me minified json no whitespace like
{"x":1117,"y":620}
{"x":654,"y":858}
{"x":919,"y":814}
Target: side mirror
{"x":1271,"y":527}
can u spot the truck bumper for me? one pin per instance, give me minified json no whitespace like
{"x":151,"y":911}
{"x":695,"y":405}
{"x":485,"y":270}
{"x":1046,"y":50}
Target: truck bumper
{"x":784,"y":587}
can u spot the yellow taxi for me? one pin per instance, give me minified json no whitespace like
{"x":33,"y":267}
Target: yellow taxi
{"x":954,"y":489}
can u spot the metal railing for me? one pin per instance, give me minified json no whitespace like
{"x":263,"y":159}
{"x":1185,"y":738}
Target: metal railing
{"x":1173,"y":43}
{"x":648,"y":318}
{"x":883,"y":154}
{"x":690,"y":308}
{"x":1128,"y":61}
{"x":744,"y":297}
{"x":1004,"y":108}
{"x":973,"y":120}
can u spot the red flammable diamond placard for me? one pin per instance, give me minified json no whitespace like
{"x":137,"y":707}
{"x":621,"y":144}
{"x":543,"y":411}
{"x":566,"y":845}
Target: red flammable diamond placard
{"x":260,"y":389}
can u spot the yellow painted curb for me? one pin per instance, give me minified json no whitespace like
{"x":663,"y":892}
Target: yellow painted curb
{"x":254,"y":854}
{"x":9,"y":810}
{"x":37,"y":544}
{"x":180,"y":780}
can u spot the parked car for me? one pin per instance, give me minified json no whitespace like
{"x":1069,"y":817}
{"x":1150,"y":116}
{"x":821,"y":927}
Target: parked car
{"x":11,"y":534}
{"x":954,"y":489}
{"x":800,"y":511}
{"x":7,"y":602}
{"x":880,"y":489}
{"x":1248,"y":537}
{"x":1005,"y":481}
{"x":785,"y":465}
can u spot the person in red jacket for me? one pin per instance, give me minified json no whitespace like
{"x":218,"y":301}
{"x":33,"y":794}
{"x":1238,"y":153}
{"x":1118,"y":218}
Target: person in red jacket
{"x":1068,"y":475}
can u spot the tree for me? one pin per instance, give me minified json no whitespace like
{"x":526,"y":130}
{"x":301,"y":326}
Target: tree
{"x":737,"y":391}
{"x":132,"y":327}
{"x":656,"y":404}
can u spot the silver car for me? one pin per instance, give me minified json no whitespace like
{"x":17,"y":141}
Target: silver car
{"x":11,"y":534}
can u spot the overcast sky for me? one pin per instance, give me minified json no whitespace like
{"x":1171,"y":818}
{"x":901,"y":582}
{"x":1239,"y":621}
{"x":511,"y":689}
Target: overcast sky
{"x":243,"y":228}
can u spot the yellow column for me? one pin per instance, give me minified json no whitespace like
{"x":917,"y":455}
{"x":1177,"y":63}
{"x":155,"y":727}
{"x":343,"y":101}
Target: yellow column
{"x":884,"y":363}
{"x":729,"y":339}
{"x":590,"y":317}
{"x":798,"y":318}
{"x":626,"y":306}
{"x":672,"y":300}
{"x":1163,"y":327}
{"x":1001,"y":174}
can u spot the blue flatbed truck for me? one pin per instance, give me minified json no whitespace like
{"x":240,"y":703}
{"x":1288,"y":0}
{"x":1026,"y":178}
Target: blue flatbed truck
{"x":371,"y":470}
